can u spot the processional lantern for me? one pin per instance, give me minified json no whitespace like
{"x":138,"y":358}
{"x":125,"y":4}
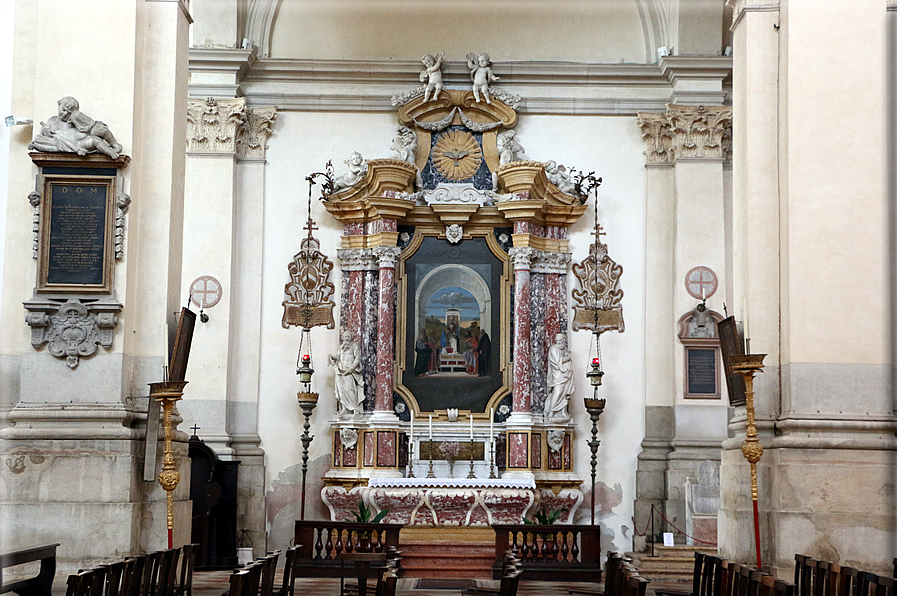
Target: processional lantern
{"x":307,"y":304}
{"x":594,"y":275}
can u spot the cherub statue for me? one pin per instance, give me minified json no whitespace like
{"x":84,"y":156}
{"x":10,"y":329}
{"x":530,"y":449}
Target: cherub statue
{"x":508,"y":149}
{"x":481,"y":74}
{"x":405,"y":144}
{"x":358,"y":167}
{"x":560,"y":380}
{"x":557,"y":174}
{"x":432,"y":74}
{"x":73,"y":131}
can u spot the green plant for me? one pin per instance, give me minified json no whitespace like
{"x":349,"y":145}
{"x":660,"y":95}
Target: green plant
{"x":363,"y":515}
{"x":544,"y":518}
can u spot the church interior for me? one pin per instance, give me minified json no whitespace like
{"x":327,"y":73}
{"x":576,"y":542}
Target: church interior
{"x":272,"y":268}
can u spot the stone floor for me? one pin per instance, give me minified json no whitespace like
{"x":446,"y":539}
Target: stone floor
{"x":214,"y":583}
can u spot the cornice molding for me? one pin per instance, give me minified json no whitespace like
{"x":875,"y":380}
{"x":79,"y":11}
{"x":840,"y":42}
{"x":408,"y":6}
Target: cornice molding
{"x":739,"y":7}
{"x":367,"y":85}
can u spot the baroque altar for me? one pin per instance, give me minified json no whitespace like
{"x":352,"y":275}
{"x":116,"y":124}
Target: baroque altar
{"x":453,"y":317}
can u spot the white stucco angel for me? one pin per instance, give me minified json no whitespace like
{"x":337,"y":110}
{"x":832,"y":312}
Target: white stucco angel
{"x":358,"y":167}
{"x":405,"y":144}
{"x":349,"y":384}
{"x":480,"y":66}
{"x":432,"y":74}
{"x":560,"y":380}
{"x":508,"y":148}
{"x":559,"y":176}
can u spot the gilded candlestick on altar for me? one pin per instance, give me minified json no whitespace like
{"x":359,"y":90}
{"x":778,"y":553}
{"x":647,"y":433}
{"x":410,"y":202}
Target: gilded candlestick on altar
{"x":168,"y":393}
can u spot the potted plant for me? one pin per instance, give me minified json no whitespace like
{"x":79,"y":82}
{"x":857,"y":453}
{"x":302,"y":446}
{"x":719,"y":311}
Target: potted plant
{"x":546,"y":518}
{"x":363,"y":516}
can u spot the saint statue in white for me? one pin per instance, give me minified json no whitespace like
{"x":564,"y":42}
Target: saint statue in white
{"x":349,"y":384}
{"x":560,"y":380}
{"x":481,"y":74}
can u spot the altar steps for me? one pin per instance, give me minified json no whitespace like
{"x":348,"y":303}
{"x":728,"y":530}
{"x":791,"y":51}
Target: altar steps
{"x":438,"y":560}
{"x":670,"y":563}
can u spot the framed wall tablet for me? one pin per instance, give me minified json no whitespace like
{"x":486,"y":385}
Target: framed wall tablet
{"x":77,"y":234}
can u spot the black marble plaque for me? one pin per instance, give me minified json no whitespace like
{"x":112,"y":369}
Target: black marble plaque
{"x":77,"y":234}
{"x":702,"y":373}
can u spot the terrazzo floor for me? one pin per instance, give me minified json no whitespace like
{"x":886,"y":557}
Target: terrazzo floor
{"x":215,"y":583}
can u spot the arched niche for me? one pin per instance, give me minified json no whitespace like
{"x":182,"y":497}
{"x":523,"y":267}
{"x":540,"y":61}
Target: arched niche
{"x":454,"y":275}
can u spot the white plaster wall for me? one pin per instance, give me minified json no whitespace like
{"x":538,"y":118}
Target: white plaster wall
{"x":577,"y":30}
{"x":302,"y":142}
{"x":7,"y":8}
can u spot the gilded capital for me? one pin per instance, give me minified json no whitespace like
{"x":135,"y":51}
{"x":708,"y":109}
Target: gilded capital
{"x":213,"y":124}
{"x":254,"y":132}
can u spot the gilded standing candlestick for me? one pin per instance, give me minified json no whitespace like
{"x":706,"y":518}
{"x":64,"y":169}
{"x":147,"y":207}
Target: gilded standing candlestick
{"x":747,"y":365}
{"x":410,"y":457}
{"x":492,"y":459}
{"x":168,"y":393}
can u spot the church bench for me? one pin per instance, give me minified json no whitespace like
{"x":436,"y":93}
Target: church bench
{"x":550,"y":552}
{"x":38,"y":585}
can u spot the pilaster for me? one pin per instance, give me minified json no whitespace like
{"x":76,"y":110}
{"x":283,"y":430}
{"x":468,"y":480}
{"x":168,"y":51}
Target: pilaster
{"x":212,"y":229}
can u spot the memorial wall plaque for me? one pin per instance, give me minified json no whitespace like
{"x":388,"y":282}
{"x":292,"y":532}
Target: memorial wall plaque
{"x":77,"y":221}
{"x":702,"y":374}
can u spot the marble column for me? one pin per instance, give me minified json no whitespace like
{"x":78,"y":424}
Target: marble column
{"x":519,"y":423}
{"x":386,"y":329}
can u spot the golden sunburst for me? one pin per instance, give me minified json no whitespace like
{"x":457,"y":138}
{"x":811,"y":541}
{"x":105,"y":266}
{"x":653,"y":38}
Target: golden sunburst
{"x":457,"y":155}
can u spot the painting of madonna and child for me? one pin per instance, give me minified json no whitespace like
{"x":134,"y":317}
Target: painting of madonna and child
{"x":451,"y":325}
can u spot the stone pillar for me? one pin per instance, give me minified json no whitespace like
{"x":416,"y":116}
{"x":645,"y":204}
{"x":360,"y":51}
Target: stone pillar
{"x":74,"y":447}
{"x":686,"y":149}
{"x":812,"y":236}
{"x":210,"y":236}
{"x":244,"y":358}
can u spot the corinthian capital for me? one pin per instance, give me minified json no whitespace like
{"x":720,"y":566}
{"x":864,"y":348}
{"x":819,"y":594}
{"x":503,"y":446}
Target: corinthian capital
{"x":254,"y":132}
{"x":386,"y":256}
{"x":212,"y":124}
{"x":522,"y":257}
{"x":687,"y":132}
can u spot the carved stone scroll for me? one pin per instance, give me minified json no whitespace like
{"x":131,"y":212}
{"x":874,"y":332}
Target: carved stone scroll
{"x":308,"y":297}
{"x":599,"y":300}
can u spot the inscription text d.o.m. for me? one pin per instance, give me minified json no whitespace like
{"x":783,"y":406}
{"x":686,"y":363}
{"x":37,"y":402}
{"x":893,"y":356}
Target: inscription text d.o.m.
{"x":76,"y":248}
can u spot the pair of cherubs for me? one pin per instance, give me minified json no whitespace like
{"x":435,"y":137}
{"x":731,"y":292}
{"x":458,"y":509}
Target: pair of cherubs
{"x":480,"y":73}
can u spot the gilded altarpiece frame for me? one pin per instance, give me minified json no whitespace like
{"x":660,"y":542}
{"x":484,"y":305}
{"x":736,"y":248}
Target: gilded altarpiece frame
{"x":430,"y":273}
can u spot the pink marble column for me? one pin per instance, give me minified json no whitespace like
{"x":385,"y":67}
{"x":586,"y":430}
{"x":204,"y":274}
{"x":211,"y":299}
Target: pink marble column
{"x":522,"y":373}
{"x":386,"y":327}
{"x":352,"y":295}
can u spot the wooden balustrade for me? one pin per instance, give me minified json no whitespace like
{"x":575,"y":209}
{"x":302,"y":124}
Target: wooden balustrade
{"x":550,"y":552}
{"x":324,"y":541}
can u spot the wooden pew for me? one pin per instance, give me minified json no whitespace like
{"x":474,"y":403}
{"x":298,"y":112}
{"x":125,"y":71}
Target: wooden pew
{"x":39,"y":585}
